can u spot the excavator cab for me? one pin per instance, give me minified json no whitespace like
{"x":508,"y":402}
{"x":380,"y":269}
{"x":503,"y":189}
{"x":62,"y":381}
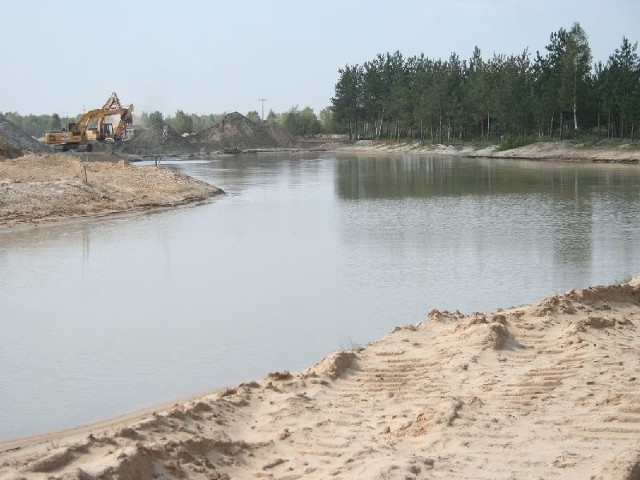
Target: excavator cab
{"x":107,"y":132}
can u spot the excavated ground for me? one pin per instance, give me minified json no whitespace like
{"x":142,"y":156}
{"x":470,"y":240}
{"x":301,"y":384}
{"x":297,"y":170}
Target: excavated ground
{"x":37,"y":188}
{"x":14,"y":142}
{"x":237,"y":132}
{"x":234,"y":133}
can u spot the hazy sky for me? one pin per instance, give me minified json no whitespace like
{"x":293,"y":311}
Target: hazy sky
{"x":206,"y":56}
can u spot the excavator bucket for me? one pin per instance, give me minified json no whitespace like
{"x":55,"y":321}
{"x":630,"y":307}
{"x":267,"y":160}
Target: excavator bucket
{"x":112,"y":103}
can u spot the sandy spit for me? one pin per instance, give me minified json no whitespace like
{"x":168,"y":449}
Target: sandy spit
{"x":43,"y":188}
{"x":547,"y":390}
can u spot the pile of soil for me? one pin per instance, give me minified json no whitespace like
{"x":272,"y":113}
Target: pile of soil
{"x":280,"y":135}
{"x":14,"y":142}
{"x":236,"y":132}
{"x":157,"y":140}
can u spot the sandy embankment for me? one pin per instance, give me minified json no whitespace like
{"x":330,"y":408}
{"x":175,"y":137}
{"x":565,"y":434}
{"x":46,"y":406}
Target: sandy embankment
{"x":549,"y":390}
{"x":38,"y":188}
{"x":614,"y":152}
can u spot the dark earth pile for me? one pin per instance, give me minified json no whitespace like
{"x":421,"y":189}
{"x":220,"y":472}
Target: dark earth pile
{"x":280,"y":135}
{"x":157,"y":140}
{"x":237,"y":132}
{"x":14,"y":142}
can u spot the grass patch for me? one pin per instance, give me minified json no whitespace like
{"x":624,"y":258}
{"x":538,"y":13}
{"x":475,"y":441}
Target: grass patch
{"x":353,"y":345}
{"x":626,"y":279}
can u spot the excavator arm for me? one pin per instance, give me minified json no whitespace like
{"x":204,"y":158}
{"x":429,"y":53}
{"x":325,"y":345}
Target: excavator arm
{"x":82,"y":124}
{"x":125,"y":118}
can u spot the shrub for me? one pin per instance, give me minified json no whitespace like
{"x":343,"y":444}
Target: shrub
{"x":508,"y":142}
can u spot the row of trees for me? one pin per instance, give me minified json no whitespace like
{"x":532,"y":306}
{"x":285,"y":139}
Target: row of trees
{"x":182,"y":122}
{"x":37,"y":125}
{"x":297,"y":121}
{"x":556,"y":94}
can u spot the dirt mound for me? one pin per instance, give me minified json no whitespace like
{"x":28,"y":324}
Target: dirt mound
{"x":234,"y":133}
{"x":280,"y":135}
{"x":157,"y":140}
{"x":333,"y":366}
{"x":479,"y":331}
{"x":601,"y":294}
{"x":624,"y":466}
{"x":237,"y":132}
{"x":14,"y":142}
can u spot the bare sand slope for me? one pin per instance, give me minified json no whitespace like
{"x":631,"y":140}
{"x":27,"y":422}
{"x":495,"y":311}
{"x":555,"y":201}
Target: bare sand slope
{"x":549,"y":390}
{"x":37,"y":188}
{"x":612,"y":152}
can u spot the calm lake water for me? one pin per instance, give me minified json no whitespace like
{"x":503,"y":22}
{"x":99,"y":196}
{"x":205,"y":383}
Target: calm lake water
{"x":306,"y":254}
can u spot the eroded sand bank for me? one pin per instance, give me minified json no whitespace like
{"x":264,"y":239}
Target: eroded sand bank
{"x":548,"y":390}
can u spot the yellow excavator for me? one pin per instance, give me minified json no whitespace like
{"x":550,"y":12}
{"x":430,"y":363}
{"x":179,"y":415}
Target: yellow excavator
{"x":111,"y":123}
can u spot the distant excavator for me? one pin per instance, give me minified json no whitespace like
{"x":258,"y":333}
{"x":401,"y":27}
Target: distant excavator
{"x":111,"y":123}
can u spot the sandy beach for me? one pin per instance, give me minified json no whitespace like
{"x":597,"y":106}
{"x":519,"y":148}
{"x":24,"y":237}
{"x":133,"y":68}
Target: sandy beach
{"x":547,"y":390}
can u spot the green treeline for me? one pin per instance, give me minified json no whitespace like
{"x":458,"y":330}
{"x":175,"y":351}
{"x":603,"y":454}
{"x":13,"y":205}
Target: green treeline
{"x":301,"y":122}
{"x":513,"y":99}
{"x":297,"y":121}
{"x":559,"y":94}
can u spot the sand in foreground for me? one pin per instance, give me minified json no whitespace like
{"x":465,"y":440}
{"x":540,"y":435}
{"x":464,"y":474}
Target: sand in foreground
{"x":549,"y":390}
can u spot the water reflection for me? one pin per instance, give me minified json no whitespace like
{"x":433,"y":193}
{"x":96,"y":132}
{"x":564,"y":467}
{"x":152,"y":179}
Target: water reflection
{"x":419,"y":176}
{"x":530,"y":210}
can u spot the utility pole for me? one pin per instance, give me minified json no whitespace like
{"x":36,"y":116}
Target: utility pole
{"x":262,"y":100}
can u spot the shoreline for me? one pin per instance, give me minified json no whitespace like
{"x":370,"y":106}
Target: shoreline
{"x":118,"y":193}
{"x":553,"y":151}
{"x":538,"y":390}
{"x":61,"y":221}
